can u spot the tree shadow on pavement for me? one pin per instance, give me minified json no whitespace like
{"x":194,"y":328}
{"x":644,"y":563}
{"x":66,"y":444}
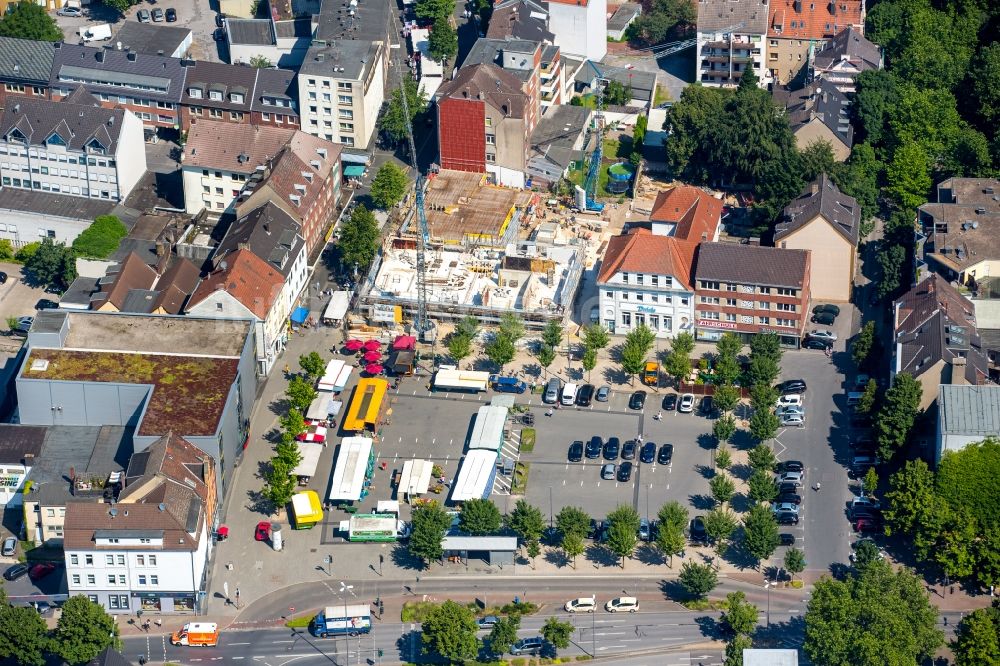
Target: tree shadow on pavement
{"x":600,"y":556}
{"x":780,"y":633}
{"x":557,"y":557}
{"x":707,"y":441}
{"x":741,"y":472}
{"x":742,"y":440}
{"x":409,"y":646}
{"x":673,"y":591}
{"x":614,"y":375}
{"x":402,"y":558}
{"x":741,"y":503}
{"x":647,"y":553}
{"x":711,"y":627}
{"x":702,"y":502}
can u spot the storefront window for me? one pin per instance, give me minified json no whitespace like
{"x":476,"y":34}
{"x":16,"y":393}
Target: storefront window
{"x":184,"y":604}
{"x":150,"y":602}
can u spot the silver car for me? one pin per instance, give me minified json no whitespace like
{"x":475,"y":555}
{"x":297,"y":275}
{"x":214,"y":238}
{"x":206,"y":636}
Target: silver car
{"x":785,"y":507}
{"x":9,"y":546}
{"x":792,"y":477}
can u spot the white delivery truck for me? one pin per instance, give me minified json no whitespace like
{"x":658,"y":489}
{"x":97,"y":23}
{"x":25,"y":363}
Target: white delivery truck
{"x":95,"y":33}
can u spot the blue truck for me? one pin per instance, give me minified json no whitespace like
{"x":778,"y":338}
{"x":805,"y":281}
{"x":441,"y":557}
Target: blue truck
{"x":339,"y":620}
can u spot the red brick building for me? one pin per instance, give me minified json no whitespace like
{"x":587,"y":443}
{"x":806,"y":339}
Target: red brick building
{"x":749,"y":289}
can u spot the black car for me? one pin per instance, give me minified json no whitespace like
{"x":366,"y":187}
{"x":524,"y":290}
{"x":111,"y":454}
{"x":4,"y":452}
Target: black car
{"x":791,"y":498}
{"x":666,"y":454}
{"x":595,"y":528}
{"x":219,"y":35}
{"x":638,"y":400}
{"x":576,"y":451}
{"x":707,"y":406}
{"x":171,"y":15}
{"x":648,"y":452}
{"x":3,"y":278}
{"x":625,"y":471}
{"x":786,"y":518}
{"x":824,"y":318}
{"x":594,"y":447}
{"x":15,"y":572}
{"x":611,"y":448}
{"x":817,"y":343}
{"x":827,"y":308}
{"x":628,"y":450}
{"x":698,"y":532}
{"x":670,"y":402}
{"x":220,"y":20}
{"x":791,"y":386}
{"x":790,"y":466}
{"x":46,"y":304}
{"x":786,"y":539}
{"x":585,"y":395}
{"x":787,"y":487}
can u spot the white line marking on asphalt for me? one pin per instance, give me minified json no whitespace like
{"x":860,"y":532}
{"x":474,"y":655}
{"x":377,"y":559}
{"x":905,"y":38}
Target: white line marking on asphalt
{"x":564,"y":482}
{"x":237,"y":643}
{"x":237,"y":657}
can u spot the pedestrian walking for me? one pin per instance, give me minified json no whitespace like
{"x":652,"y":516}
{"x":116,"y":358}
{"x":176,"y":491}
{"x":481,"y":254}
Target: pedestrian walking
{"x":659,"y":415}
{"x":816,"y":487}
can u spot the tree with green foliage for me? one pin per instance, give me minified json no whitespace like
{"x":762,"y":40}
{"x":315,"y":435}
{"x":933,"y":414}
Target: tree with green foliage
{"x":740,"y":616}
{"x":533,"y":549}
{"x":589,"y":361}
{"x":866,"y":552}
{"x":898,"y":414}
{"x":24,"y":636}
{"x":279,"y":484}
{"x":662,"y":19}
{"x":735,"y":648}
{"x":617,"y":93}
{"x":595,"y":336}
{"x":724,"y":428}
{"x":762,"y":457}
{"x":429,"y":522}
{"x":572,"y":520}
{"x":795,"y":561}
{"x":552,"y":334}
{"x":312,"y":364}
{"x":674,"y":515}
{"x":359,"y":239}
{"x":526,"y":521}
{"x":261,"y":62}
{"x":869,"y":397}
{"x":557,"y":632}
{"x":698,"y":579}
{"x":760,"y":532}
{"x":633,"y":360}
{"x":459,"y":346}
{"x":762,"y":370}
{"x":101,"y":238}
{"x":908,"y":175}
{"x":467,"y":326}
{"x":763,"y":396}
{"x":6,"y":250}
{"x":434,"y":9}
{"x":26,"y":252}
{"x":623,"y":529}
{"x":640,"y":337}
{"x":909,"y":498}
{"x":393,"y":121}
{"x":764,"y":424}
{"x":479,"y":517}
{"x":892,"y":263}
{"x":723,"y":458}
{"x":84,"y":629}
{"x":26,"y":20}
{"x":967,"y":479}
{"x":449,"y":630}
{"x":719,"y":526}
{"x":300,"y":393}
{"x":504,"y":634}
{"x":862,"y":346}
{"x":500,"y":350}
{"x":52,"y":264}
{"x":726,"y":397}
{"x":388,"y":186}
{"x":546,"y":355}
{"x":511,"y":326}
{"x":761,"y":485}
{"x":572,"y":545}
{"x":859,"y":178}
{"x":670,"y":540}
{"x":678,"y":360}
{"x":442,"y":42}
{"x":870,"y":482}
{"x":977,"y":638}
{"x":722,"y":488}
{"x":880,"y":616}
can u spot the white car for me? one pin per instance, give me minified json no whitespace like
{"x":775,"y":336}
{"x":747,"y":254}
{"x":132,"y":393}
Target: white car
{"x":823,"y":334}
{"x":70,"y":11}
{"x":686,"y":404}
{"x":792,"y":400}
{"x":622,"y":604}
{"x":792,"y":477}
{"x":790,"y":410}
{"x":793,"y":419}
{"x":581,"y":605}
{"x":861,"y":500}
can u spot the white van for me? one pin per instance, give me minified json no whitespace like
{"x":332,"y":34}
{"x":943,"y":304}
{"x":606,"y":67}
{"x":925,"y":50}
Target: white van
{"x":569,"y":394}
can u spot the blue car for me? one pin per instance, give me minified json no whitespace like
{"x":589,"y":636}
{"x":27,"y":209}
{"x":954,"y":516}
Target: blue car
{"x":503,"y":384}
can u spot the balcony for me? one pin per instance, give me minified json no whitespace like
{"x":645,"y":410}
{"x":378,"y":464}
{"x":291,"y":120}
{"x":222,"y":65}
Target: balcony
{"x":735,"y":44}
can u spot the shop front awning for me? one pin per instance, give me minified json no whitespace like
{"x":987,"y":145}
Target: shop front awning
{"x":299,"y":315}
{"x":354,"y":171}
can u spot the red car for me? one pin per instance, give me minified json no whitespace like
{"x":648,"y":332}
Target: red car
{"x":865,"y":525}
{"x":263,"y":531}
{"x":41,"y":570}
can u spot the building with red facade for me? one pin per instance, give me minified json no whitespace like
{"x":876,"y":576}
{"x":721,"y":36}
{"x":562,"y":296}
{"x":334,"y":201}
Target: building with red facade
{"x":25,"y":65}
{"x":750,"y":289}
{"x":485,"y":118}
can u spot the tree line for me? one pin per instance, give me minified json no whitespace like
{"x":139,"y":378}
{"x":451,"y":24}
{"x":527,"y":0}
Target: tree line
{"x":84,"y":629}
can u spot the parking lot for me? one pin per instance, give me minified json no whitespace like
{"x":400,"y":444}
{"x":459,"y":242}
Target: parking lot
{"x":18,"y":299}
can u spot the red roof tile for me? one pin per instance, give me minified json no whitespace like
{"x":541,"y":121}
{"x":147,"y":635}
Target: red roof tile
{"x":813,"y":19}
{"x":640,"y":251}
{"x":695,"y":212}
{"x":247,"y":278}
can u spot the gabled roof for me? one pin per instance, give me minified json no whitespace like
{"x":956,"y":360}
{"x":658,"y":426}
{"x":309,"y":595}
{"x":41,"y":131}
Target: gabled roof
{"x":813,"y":19}
{"x":851,"y":45}
{"x":267,"y":231}
{"x":175,"y":285}
{"x":822,"y":199}
{"x":226,"y":80}
{"x":523,"y":19}
{"x":486,"y":81}
{"x":247,"y":278}
{"x":820,"y":101}
{"x":640,"y":251}
{"x":934,"y":322}
{"x":273,"y":83}
{"x":495,"y":51}
{"x":233,"y":146}
{"x":118,"y":72}
{"x":719,"y":15}
{"x":26,"y":60}
{"x":695,"y":212}
{"x":752,"y":264}
{"x":85,"y":522}
{"x":969,"y":410}
{"x":133,"y":273}
{"x":77,"y":125}
{"x":624,"y":15}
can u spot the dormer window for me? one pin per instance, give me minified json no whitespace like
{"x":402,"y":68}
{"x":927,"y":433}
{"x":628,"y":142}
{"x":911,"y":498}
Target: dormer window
{"x":55,"y":140}
{"x":95,"y":146}
{"x":236,"y":98}
{"x":215,"y":95}
{"x":195,"y":92}
{"x":17,"y":135}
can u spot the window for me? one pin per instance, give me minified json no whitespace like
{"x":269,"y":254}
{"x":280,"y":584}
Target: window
{"x":109,"y":560}
{"x":654,"y":298}
{"x":655,"y":279}
{"x":624,"y":278}
{"x":312,"y":96}
{"x":346,"y":114}
{"x":731,"y":302}
{"x":121,"y":579}
{"x":152,"y":560}
{"x":731,"y":287}
{"x":654,"y":322}
{"x":626,"y":319}
{"x":763,"y":305}
{"x":89,"y":560}
{"x":712,"y":300}
{"x":154,"y":580}
{"x":638,"y":279}
{"x":764,"y":290}
{"x":638,"y":297}
{"x":685,"y":300}
{"x":236,"y":98}
{"x":311,"y":82}
{"x":624,"y":295}
{"x":74,"y":559}
{"x":11,"y":87}
{"x":142,"y":579}
{"x":215,"y":113}
{"x":730,"y":316}
{"x":218,"y":191}
{"x":236,"y":115}
{"x":266,"y":117}
{"x":76,"y":579}
{"x":609,"y":294}
{"x":790,"y":323}
{"x":92,"y":597}
{"x":491,"y":140}
{"x":344,"y":85}
{"x":764,"y":320}
{"x":215,"y":95}
{"x":490,"y":157}
{"x":111,"y":579}
{"x":121,"y":560}
{"x":140,"y":560}
{"x":782,"y":291}
{"x":346,"y":127}
{"x":51,"y":513}
{"x":785,"y":307}
{"x":195,"y":92}
{"x":710,"y":315}
{"x":345,"y":99}
{"x":489,"y":121}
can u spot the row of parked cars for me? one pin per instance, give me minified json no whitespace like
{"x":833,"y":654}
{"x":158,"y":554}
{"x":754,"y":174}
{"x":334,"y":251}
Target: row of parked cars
{"x":596,"y":447}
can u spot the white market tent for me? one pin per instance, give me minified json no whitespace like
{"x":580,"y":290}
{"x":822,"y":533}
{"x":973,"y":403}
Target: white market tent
{"x":475,"y":476}
{"x":343,"y":378}
{"x":323,"y":407}
{"x":336,"y":309}
{"x":488,"y":431}
{"x":349,"y":470}
{"x":329,"y":378}
{"x":415,"y":478}
{"x":310,"y":459}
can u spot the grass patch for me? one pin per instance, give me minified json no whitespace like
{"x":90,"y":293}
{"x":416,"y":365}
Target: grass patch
{"x":520,"y":482}
{"x":299,"y":622}
{"x":416,"y":611}
{"x":527,"y":440}
{"x":704,"y":604}
{"x":797,"y":584}
{"x":520,"y":608}
{"x":662,"y":95}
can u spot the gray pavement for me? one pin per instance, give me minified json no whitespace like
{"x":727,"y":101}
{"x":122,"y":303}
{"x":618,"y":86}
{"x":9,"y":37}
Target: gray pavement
{"x":18,"y":299}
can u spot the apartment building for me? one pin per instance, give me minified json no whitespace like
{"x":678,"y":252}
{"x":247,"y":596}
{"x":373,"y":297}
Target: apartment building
{"x":150,"y":86}
{"x":25,"y":65}
{"x":843,"y":58}
{"x":485,"y":121}
{"x":73,"y":147}
{"x":798,"y":28}
{"x":580,"y":27}
{"x":520,"y":57}
{"x":750,"y":289}
{"x":341,"y":89}
{"x":234,"y":94}
{"x":819,"y":112}
{"x":731,"y":38}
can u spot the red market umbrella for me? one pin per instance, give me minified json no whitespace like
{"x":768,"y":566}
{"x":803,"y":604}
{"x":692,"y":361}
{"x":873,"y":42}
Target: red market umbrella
{"x":372,"y":356}
{"x":372,"y":345}
{"x":353,"y":345}
{"x":373,"y":368}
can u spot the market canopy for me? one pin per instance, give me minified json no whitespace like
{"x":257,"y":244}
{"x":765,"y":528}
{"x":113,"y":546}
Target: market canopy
{"x":374,"y":368}
{"x":354,"y":171}
{"x":353,"y":345}
{"x":404,"y":342}
{"x":300,"y":314}
{"x":372,"y":356}
{"x":372,"y":345}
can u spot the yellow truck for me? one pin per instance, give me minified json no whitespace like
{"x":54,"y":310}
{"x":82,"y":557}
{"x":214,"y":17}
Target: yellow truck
{"x":651,"y":374}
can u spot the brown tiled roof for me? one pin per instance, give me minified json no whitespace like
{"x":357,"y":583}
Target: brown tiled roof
{"x":83,"y":519}
{"x":752,"y":264}
{"x":233,"y":147}
{"x":175,"y":285}
{"x":695,"y":211}
{"x":500,"y":88}
{"x":247,"y":278}
{"x":640,"y":251}
{"x":850,"y":44}
{"x":813,"y":19}
{"x":133,"y":273}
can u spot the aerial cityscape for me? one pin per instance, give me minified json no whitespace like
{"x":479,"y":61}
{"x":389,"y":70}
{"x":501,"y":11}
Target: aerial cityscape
{"x":500,"y":332}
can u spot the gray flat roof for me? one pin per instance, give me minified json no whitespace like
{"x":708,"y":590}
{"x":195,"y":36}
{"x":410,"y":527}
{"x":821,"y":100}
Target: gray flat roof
{"x":491,"y":543}
{"x":969,"y":410}
{"x":26,"y":59}
{"x":355,"y":58}
{"x":85,"y":450}
{"x":53,"y":205}
{"x":250,"y":31}
{"x":151,"y":37}
{"x":369,"y":23}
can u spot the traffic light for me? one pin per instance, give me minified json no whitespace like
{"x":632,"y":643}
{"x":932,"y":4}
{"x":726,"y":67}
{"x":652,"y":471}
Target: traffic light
{"x":381,"y":608}
{"x":381,"y":652}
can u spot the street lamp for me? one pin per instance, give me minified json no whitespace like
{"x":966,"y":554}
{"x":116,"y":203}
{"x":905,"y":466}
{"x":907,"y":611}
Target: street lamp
{"x":328,"y":560}
{"x":767,"y":585}
{"x":344,"y":589}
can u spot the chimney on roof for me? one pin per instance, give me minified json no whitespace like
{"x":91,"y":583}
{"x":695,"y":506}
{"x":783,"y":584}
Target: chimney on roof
{"x":99,"y":56}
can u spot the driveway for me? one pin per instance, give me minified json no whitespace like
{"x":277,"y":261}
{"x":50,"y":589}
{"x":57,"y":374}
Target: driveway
{"x":18,"y":299}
